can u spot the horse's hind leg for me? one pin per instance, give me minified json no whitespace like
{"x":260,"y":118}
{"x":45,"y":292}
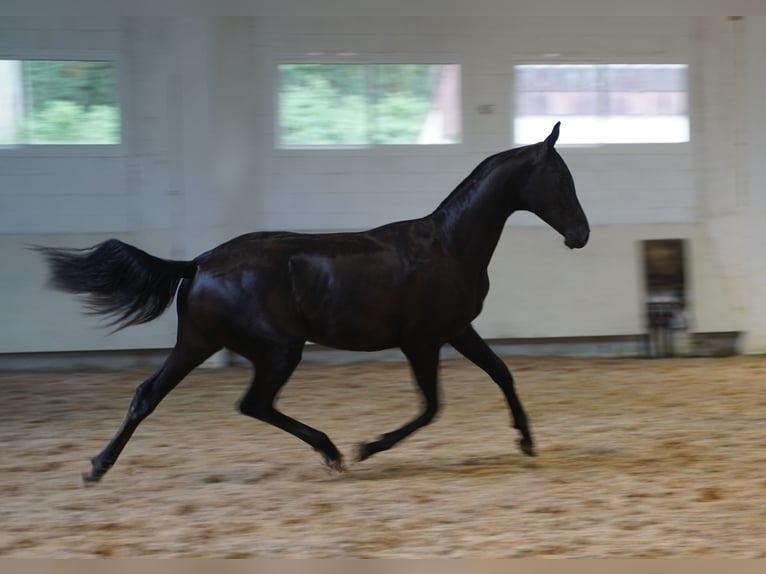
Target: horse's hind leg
{"x":475,"y":349}
{"x":148,"y":395}
{"x":273,"y":366}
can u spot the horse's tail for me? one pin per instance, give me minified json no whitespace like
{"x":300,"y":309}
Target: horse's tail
{"x":118,"y":280}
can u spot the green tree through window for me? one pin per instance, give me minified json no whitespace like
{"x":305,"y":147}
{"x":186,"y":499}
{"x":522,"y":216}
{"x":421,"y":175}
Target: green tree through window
{"x":58,"y":102}
{"x":368,"y":104}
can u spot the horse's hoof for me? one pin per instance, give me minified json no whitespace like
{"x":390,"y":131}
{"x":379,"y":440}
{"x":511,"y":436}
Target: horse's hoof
{"x":90,"y":478}
{"x":527,"y":448}
{"x":336,"y":466}
{"x":97,"y":471}
{"x":362,"y":452}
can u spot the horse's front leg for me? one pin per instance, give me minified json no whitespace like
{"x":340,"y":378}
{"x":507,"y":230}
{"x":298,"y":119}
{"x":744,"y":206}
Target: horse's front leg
{"x":475,"y":349}
{"x":425,"y":364}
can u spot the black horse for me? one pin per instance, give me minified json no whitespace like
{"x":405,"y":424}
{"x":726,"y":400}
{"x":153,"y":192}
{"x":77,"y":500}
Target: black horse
{"x":416,"y":285}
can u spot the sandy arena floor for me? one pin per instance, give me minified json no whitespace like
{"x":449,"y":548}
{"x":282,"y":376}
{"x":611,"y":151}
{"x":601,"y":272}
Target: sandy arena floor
{"x":637,"y":458}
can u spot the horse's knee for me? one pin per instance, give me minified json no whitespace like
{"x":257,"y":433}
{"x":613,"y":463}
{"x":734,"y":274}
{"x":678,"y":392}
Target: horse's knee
{"x":503,"y":379}
{"x":245,"y":409}
{"x":254,"y":409}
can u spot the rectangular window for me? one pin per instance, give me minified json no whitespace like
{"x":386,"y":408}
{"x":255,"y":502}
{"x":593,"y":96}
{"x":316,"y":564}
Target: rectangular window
{"x":58,"y":102}
{"x":602,"y":104}
{"x":368,"y":104}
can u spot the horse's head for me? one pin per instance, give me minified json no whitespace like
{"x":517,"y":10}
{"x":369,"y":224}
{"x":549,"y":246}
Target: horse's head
{"x":550,"y":194}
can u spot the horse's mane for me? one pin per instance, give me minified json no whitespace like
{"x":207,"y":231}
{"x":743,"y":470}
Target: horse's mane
{"x":479,"y":173}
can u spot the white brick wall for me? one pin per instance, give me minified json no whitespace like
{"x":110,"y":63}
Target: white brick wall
{"x":198,"y":162}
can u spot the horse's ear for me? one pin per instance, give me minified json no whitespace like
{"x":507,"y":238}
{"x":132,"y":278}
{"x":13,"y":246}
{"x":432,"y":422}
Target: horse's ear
{"x":550,"y":141}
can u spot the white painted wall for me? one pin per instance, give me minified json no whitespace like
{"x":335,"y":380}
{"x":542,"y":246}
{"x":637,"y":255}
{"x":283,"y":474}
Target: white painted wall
{"x":753,"y":150}
{"x":198,"y":162}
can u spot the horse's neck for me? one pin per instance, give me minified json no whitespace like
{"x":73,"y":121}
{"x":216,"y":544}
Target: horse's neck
{"x":474,"y":215}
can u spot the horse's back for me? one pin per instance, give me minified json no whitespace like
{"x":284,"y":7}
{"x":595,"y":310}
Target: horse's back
{"x":275,"y":285}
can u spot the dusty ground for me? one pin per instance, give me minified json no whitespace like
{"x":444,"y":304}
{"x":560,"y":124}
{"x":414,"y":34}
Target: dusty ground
{"x":637,"y":458}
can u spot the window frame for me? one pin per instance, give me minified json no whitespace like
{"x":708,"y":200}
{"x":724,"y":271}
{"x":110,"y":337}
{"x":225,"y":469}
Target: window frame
{"x":72,"y":149}
{"x":607,"y":147}
{"x":364,"y":59}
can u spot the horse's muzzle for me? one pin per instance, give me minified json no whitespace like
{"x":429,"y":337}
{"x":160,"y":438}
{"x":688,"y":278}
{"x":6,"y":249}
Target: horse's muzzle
{"x":577,"y":238}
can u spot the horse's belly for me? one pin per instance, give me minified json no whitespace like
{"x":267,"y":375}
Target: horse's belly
{"x":363,"y":331}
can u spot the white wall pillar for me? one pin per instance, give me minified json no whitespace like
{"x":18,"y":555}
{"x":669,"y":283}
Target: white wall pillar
{"x":195,"y":130}
{"x":193,"y":49}
{"x":754,"y":111}
{"x":718,"y":266}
